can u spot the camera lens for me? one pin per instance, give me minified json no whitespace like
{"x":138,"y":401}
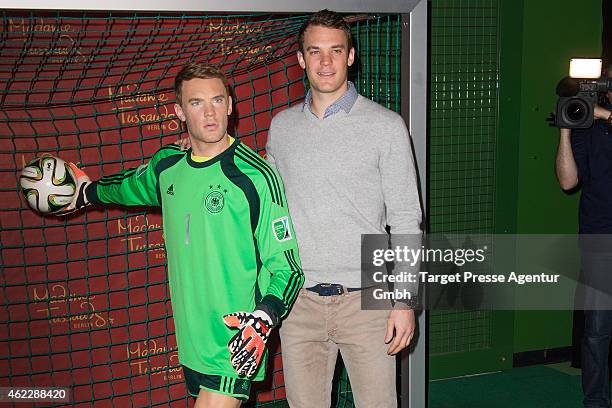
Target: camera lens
{"x":575,"y":111}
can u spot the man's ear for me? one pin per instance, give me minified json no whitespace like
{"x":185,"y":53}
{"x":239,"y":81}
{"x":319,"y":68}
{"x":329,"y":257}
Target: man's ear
{"x":351,"y":56}
{"x":179,"y":112}
{"x":300,"y":58}
{"x":229,"y":105}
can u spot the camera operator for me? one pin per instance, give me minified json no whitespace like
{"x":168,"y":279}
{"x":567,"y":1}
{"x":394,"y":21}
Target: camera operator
{"x":584,"y":161}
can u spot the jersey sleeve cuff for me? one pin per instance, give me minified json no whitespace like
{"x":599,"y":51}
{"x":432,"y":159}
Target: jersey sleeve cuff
{"x":273,"y":307}
{"x":91,"y":193}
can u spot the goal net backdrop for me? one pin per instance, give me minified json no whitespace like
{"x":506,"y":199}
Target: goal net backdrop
{"x":84,"y":299}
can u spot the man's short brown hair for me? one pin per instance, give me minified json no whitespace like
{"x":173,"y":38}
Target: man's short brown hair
{"x":329,"y":19}
{"x":202,"y":70}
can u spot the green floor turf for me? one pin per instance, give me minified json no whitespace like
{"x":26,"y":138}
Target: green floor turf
{"x":555,"y":386}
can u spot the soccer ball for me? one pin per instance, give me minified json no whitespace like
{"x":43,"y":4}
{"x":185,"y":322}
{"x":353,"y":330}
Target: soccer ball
{"x":48,"y":184}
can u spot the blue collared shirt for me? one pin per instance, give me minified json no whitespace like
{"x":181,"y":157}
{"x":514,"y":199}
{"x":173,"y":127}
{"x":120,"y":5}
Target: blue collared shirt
{"x":345,"y":102}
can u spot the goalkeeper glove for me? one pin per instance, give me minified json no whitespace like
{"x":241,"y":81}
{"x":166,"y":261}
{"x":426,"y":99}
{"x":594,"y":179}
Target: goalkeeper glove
{"x":80,"y":198}
{"x":248,"y":345}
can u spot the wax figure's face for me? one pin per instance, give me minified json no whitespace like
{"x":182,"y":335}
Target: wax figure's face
{"x":204,"y":107}
{"x":326,"y":59}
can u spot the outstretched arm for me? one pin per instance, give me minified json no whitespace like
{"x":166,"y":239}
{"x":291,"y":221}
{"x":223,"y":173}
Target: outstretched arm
{"x":137,"y":186}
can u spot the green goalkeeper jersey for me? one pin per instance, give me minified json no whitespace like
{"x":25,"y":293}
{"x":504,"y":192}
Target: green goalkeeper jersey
{"x":229,"y":242}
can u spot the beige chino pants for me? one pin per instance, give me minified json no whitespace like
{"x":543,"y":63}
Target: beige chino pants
{"x":311,"y":336}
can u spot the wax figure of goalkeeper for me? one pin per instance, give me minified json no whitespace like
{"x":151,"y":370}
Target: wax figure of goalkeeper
{"x":233,"y":262}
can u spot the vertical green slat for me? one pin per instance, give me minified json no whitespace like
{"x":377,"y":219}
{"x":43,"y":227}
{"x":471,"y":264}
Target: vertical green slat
{"x":462,"y":154}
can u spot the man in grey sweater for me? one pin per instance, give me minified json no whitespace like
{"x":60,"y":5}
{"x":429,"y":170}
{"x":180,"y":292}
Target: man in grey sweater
{"x":347,"y":167}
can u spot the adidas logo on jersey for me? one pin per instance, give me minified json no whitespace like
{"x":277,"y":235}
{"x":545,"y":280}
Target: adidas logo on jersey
{"x":170,"y":190}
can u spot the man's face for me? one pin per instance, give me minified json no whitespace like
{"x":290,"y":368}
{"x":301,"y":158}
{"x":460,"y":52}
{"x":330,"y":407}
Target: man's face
{"x":326,"y":59}
{"x":204,"y":107}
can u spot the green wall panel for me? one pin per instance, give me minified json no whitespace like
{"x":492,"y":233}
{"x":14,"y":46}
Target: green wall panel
{"x":494,"y":67}
{"x":462,"y":170}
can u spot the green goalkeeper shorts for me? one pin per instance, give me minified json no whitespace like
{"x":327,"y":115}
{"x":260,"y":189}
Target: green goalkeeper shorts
{"x":234,"y":387}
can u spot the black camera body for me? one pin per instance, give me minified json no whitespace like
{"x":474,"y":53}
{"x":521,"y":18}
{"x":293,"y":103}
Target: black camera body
{"x":577,"y":99}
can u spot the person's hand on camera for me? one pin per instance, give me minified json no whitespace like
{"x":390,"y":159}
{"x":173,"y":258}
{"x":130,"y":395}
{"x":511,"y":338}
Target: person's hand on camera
{"x":602,"y":113}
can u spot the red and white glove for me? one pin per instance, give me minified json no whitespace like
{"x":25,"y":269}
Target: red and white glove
{"x":80,"y":198}
{"x":248,"y":345}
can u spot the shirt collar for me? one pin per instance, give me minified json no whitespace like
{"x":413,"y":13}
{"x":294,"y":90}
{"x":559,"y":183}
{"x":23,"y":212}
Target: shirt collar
{"x":344,"y":102}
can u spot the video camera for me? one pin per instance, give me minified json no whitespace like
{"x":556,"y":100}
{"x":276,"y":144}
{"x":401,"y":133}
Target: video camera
{"x":578,"y":93}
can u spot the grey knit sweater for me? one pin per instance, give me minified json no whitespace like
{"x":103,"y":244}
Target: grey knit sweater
{"x":347,"y":175}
